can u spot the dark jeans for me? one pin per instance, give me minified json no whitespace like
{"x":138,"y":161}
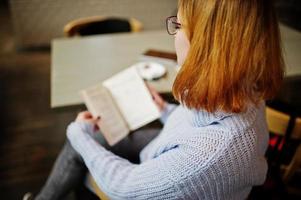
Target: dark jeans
{"x":69,"y":170}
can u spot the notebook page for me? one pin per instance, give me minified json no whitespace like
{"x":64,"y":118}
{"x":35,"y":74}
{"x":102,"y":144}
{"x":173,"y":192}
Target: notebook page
{"x":133,"y":98}
{"x":100,"y":103}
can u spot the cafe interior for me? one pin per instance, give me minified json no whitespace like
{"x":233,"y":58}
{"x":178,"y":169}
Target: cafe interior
{"x":50,"y":50}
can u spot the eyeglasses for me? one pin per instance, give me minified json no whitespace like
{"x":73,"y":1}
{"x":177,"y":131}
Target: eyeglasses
{"x":172,"y":25}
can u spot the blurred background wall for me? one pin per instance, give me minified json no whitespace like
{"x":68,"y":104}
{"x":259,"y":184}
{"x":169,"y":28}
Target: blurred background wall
{"x":36,"y":22}
{"x":289,"y":12}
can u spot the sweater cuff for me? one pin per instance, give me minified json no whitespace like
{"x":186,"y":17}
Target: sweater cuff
{"x":79,"y":135}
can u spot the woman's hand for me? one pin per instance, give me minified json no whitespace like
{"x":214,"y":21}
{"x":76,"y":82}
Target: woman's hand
{"x":86,"y":116}
{"x":161,"y":104}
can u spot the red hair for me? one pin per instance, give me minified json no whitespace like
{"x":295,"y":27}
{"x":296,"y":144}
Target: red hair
{"x":235,"y":55}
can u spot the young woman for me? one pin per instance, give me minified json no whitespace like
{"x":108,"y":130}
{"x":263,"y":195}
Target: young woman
{"x":212,"y":145}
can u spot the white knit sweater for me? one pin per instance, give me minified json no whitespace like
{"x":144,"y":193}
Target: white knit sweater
{"x":197,"y":155}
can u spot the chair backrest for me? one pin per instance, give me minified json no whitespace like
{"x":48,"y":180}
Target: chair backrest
{"x":296,"y":134}
{"x":277,"y":124}
{"x":277,"y":121}
{"x":101,"y":25}
{"x":96,"y":189}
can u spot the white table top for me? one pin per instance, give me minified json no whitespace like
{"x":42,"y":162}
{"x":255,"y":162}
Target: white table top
{"x":78,"y":63}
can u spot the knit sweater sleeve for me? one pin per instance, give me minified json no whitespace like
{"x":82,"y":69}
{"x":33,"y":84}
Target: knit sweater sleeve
{"x":119,"y":178}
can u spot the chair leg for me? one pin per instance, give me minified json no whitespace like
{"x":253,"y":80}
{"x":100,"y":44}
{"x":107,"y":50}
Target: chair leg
{"x":293,"y":166}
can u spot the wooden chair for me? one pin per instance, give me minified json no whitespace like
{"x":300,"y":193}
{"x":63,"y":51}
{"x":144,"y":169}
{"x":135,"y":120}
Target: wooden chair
{"x":100,"y":25}
{"x":296,"y":160}
{"x":278,"y":123}
{"x":97,"y":190}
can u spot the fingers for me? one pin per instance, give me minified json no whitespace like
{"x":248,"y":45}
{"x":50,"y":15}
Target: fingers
{"x":151,"y":89}
{"x":88,"y":117}
{"x":153,"y":92}
{"x":85,"y":114}
{"x":156,"y":97}
{"x":93,"y":120}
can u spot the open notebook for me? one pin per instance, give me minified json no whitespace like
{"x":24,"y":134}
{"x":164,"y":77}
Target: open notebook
{"x":123,"y":102}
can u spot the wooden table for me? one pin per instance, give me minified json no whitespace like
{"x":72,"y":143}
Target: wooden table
{"x":80,"y":62}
